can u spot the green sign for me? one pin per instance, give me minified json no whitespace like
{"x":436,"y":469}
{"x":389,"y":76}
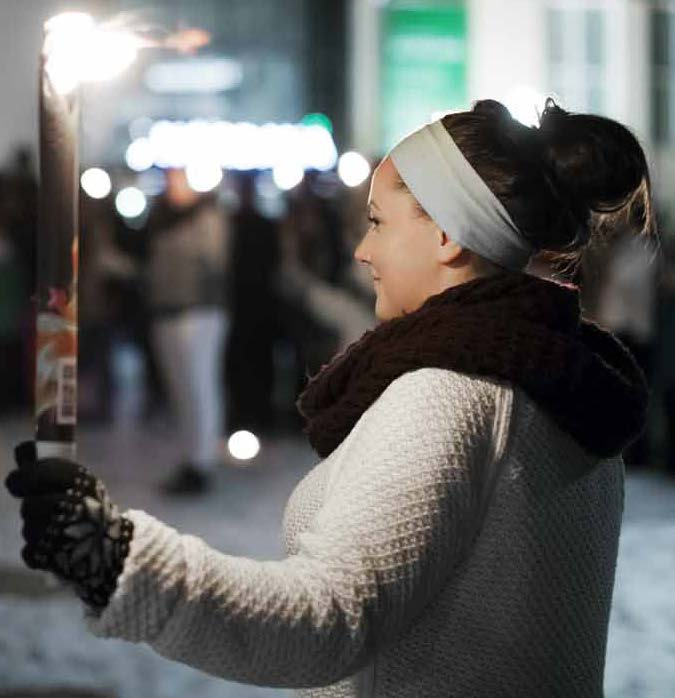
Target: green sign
{"x":424,"y":58}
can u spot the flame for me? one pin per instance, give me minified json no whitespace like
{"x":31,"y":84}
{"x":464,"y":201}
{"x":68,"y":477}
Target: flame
{"x":77,"y":49}
{"x":187,"y":40}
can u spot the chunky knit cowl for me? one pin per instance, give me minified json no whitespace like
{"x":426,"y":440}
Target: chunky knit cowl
{"x":511,"y":326}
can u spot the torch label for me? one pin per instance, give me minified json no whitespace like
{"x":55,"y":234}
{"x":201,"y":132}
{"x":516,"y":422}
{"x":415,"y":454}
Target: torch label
{"x":66,"y":391}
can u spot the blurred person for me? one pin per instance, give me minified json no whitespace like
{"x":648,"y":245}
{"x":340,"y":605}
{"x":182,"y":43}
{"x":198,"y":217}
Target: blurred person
{"x":187,"y":277}
{"x":20,"y":202}
{"x":314,"y":231}
{"x":627,"y":307}
{"x":309,"y":255}
{"x":124,"y":258}
{"x":665,"y":354}
{"x":18,"y":194}
{"x":327,"y":288}
{"x":343,"y":312}
{"x":255,"y":313}
{"x":322,"y":315}
{"x":107,"y":273}
{"x":13,"y":307}
{"x":460,"y":535}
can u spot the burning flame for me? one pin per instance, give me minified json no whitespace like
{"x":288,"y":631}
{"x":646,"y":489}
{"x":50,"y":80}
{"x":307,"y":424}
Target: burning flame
{"x":187,"y":40}
{"x":78,"y":50}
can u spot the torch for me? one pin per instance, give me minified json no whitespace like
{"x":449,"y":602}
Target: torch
{"x":76,"y":50}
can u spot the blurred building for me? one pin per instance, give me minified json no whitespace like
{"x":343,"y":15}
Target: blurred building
{"x":376,"y":68}
{"x":266,"y":62}
{"x":411,"y":58}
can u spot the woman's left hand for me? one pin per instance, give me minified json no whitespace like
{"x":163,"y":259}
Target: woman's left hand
{"x":71,"y":527}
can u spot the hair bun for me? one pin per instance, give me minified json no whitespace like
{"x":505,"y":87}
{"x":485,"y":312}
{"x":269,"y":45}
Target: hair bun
{"x":494,"y":110}
{"x":563,"y":181}
{"x":551,"y":118}
{"x":596,"y":159}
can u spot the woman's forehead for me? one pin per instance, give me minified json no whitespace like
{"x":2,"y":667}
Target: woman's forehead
{"x":386,"y":172}
{"x":384,"y":179}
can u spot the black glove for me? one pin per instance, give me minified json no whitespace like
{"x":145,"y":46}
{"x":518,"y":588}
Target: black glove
{"x":71,"y":527}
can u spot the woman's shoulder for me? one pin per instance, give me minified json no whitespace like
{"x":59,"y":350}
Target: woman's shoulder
{"x":430,"y":405}
{"x":445,"y":387}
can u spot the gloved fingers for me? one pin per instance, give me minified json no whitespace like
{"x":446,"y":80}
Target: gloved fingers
{"x":25,"y":457}
{"x":50,"y":475}
{"x":10,"y":483}
{"x":38,"y":512}
{"x":34,"y":558}
{"x":25,"y":454}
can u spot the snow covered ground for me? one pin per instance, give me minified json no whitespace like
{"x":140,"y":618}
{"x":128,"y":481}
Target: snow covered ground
{"x":641,"y":645}
{"x":44,"y":645}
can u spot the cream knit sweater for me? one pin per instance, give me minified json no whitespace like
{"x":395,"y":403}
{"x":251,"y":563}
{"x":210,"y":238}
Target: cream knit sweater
{"x":457,"y":543}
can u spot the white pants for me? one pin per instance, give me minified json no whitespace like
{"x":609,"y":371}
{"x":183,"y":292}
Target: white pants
{"x":189,"y":350}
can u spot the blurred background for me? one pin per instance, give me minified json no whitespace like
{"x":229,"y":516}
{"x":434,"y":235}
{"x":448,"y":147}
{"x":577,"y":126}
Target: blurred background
{"x":222,"y":196}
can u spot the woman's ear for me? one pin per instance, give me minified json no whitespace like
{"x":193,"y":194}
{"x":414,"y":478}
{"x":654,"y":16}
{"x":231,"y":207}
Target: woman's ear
{"x":448,"y":250}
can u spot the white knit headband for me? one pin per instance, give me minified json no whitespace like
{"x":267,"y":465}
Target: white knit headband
{"x":457,"y":199}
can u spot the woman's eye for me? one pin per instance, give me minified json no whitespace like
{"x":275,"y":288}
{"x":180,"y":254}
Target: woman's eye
{"x":373,"y":221}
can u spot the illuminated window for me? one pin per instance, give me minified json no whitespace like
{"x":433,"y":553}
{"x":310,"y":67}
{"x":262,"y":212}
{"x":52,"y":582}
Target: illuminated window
{"x":424,"y":63}
{"x":577,"y":57}
{"x":663,"y":75}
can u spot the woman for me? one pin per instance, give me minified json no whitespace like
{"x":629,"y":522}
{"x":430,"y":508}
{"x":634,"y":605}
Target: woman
{"x":460,"y":536}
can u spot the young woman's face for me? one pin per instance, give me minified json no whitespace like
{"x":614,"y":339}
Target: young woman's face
{"x":400,"y":247}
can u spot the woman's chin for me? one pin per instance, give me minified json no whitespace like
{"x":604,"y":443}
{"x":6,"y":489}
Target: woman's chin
{"x":378,"y":309}
{"x":381,"y":310}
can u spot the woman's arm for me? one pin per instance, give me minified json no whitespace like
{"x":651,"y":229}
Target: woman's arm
{"x":402,"y":509}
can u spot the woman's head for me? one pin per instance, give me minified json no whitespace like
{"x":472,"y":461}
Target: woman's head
{"x":561,"y":182}
{"x":408,"y":255}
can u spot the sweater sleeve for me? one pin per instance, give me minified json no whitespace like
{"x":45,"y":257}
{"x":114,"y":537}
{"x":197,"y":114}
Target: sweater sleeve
{"x":401,"y":510}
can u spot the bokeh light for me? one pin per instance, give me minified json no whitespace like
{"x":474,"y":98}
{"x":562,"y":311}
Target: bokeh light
{"x":525,"y":104}
{"x":140,"y":155}
{"x":243,"y":445}
{"x":353,"y":168}
{"x":130,"y":202}
{"x":287,"y":175}
{"x":318,"y":119}
{"x":96,"y":183}
{"x":241,"y":145}
{"x":203,"y":175}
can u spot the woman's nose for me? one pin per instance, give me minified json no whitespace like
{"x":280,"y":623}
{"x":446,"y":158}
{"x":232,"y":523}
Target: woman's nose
{"x":361,"y":253}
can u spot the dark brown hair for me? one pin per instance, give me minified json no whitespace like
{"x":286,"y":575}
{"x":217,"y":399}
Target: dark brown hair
{"x":572,"y":178}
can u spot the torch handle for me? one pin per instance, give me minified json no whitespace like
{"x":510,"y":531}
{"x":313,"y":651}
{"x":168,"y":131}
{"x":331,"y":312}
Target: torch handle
{"x":57,"y":257}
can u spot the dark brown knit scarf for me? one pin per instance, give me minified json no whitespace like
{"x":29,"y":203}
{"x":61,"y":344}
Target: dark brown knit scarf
{"x":512,"y":326}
